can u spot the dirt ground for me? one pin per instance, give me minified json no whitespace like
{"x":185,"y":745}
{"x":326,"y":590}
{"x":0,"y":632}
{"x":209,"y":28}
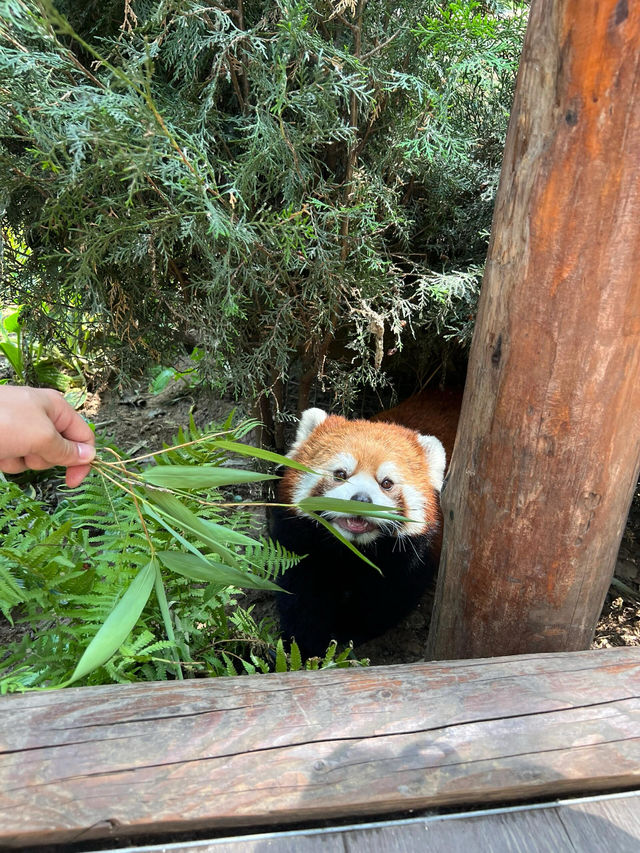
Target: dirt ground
{"x":140,"y":422}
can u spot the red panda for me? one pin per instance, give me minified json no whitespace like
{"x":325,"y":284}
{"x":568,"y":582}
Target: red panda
{"x":331,"y":593}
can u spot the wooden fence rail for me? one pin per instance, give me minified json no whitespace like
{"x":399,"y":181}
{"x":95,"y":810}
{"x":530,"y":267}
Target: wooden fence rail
{"x":116,"y":761}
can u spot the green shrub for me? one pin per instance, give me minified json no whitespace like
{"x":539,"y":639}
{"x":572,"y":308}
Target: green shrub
{"x":298,"y":187}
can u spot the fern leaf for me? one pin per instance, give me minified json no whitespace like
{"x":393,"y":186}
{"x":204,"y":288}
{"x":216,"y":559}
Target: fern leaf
{"x":295,"y":658}
{"x":281,"y":657}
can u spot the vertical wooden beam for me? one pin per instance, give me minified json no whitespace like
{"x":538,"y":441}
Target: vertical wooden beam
{"x":548,"y":449}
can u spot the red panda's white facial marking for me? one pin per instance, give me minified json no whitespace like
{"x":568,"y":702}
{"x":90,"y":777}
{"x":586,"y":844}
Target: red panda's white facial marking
{"x":358,"y":486}
{"x":378,"y":463}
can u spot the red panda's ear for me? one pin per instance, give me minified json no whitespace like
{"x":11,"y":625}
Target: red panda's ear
{"x":309,"y":420}
{"x":436,"y":457}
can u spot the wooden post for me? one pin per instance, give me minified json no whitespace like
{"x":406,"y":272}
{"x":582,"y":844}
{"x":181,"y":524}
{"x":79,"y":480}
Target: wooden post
{"x":548,"y":449}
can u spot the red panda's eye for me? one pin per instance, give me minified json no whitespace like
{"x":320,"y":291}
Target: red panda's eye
{"x":387,"y":484}
{"x":340,"y":474}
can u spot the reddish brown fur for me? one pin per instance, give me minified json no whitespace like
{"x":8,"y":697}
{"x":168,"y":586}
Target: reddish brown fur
{"x":431,"y":412}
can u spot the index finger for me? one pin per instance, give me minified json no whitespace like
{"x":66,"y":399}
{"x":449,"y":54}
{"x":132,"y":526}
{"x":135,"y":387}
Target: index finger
{"x":67,"y":421}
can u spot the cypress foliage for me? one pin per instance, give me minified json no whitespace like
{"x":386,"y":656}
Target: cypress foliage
{"x":298,"y":186}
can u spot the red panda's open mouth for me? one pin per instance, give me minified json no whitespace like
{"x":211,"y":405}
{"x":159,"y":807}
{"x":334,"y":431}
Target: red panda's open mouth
{"x":355,"y":524}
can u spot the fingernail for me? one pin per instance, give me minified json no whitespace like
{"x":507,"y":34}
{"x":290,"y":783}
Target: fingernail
{"x":86,"y":452}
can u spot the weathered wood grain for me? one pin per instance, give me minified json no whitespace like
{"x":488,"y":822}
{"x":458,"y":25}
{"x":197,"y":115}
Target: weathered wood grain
{"x":116,"y":761}
{"x":548,"y":448}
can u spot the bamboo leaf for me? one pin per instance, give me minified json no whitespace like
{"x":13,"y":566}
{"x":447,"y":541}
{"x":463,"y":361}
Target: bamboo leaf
{"x":259,"y":453}
{"x":321,"y":504}
{"x":118,"y":624}
{"x":226,"y":534}
{"x":177,"y":536}
{"x":218,"y":532}
{"x":172,"y":507}
{"x":210,"y":571}
{"x":161,"y":596}
{"x":341,"y":538}
{"x":200,"y":477}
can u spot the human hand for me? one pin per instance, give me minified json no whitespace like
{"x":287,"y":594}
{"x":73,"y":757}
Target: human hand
{"x":39,"y":429}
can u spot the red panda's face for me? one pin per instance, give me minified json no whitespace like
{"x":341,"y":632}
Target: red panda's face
{"x":377,"y":463}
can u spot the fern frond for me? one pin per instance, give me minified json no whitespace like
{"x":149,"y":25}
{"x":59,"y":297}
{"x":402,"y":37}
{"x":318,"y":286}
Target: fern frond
{"x":269,"y":559}
{"x":11,"y":590}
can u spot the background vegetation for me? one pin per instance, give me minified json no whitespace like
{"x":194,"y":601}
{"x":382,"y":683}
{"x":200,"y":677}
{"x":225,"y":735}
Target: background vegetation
{"x":297,"y":195}
{"x":299,"y":188}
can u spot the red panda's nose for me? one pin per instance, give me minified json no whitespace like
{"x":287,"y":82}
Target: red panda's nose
{"x":361,"y":496}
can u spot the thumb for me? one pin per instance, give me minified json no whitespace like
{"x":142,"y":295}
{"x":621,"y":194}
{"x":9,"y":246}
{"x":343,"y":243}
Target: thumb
{"x":69,"y":453}
{"x":85,"y":452}
{"x":82,"y":452}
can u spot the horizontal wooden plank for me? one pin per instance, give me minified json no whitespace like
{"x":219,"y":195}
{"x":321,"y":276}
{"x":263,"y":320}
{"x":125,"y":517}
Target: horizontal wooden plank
{"x":603,"y":824}
{"x":120,"y":760}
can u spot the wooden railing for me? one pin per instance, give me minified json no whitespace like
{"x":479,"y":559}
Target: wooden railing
{"x":117,"y":761}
